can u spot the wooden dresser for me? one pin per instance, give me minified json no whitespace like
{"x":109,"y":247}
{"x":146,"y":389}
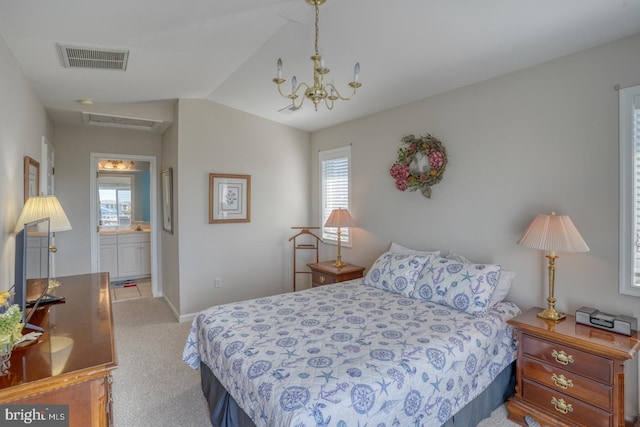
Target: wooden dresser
{"x":324,"y":273}
{"x":569,"y":374}
{"x":71,"y":363}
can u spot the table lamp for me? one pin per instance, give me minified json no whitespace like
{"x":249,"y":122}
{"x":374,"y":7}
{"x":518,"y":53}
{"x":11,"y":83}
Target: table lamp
{"x":46,"y":207}
{"x":339,"y":218}
{"x":553,"y":233}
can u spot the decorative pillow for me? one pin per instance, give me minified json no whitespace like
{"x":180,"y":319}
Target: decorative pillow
{"x":399,"y":249}
{"x":395,"y":273}
{"x":504,"y":282}
{"x":463,"y":286}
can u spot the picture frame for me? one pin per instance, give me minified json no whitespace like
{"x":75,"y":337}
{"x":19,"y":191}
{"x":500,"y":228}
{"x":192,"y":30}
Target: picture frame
{"x":229,"y":198}
{"x":31,"y":178}
{"x":166,"y":178}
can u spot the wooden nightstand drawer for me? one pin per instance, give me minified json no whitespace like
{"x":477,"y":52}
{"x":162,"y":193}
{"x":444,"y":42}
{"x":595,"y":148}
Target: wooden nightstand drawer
{"x":569,"y":358}
{"x":318,"y":278}
{"x":566,"y":382}
{"x":325,"y":273}
{"x":569,"y":374}
{"x":565,"y":406}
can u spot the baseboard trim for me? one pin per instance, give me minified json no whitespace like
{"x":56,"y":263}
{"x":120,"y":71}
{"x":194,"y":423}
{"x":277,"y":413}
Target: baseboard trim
{"x":181,"y":318}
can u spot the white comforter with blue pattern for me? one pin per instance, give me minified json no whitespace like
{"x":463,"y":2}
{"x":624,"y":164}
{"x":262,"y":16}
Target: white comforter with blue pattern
{"x":349,"y":355}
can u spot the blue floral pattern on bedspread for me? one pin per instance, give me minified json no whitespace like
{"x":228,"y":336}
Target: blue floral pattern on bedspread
{"x":349,"y":355}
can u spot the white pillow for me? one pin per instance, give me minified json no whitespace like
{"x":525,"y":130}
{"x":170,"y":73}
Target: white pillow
{"x":504,"y":281}
{"x":457,"y":257}
{"x":396,"y":248}
{"x":503,"y":287}
{"x":395,"y":273}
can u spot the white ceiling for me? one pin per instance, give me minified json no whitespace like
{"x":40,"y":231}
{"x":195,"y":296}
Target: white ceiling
{"x":226,"y":50}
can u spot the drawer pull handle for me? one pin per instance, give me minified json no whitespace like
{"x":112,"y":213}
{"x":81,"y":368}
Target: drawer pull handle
{"x":321,"y":279}
{"x":561,"y":357}
{"x":561,"y":381}
{"x":561,"y":405}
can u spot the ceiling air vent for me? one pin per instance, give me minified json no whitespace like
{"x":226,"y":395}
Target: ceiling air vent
{"x":95,"y":58}
{"x":122,"y":122}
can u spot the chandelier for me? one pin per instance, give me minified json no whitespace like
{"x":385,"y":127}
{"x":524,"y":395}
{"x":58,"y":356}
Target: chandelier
{"x":319,"y":91}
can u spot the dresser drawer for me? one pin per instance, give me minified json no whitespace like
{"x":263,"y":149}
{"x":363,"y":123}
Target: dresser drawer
{"x":564,"y":406}
{"x":566,"y":382}
{"x":319,"y":279}
{"x":569,"y":358}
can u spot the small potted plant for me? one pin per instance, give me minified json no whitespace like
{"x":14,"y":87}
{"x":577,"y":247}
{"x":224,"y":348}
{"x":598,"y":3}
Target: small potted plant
{"x":10,"y":329}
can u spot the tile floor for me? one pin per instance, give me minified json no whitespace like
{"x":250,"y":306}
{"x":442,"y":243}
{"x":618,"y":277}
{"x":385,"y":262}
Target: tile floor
{"x":141,"y":290}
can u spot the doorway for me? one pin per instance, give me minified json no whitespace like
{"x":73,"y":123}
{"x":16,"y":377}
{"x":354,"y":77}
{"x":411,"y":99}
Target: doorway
{"x":124,"y":237}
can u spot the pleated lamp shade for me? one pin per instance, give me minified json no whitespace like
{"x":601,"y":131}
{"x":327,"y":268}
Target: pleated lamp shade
{"x":553,"y":233}
{"x":339,"y":218}
{"x":44,"y":207}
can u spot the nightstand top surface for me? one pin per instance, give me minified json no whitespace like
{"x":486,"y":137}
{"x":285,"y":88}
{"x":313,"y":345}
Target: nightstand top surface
{"x":329,"y":267}
{"x":570,"y":332}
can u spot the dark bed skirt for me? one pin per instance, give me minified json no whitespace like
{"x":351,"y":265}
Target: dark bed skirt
{"x":226,"y":413}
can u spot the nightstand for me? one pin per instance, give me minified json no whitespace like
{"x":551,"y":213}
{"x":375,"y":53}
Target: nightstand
{"x":324,"y":273}
{"x":569,"y":374}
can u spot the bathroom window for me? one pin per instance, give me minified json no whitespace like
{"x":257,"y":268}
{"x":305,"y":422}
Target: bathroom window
{"x":115,"y":195}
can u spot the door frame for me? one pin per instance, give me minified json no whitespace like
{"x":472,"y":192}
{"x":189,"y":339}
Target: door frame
{"x":156,"y":279}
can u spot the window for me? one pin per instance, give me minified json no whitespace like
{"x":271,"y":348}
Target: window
{"x":335,"y":185}
{"x":630,"y":191}
{"x":114,"y":193}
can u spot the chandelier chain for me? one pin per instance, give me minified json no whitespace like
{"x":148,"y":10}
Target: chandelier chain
{"x":317,"y":26}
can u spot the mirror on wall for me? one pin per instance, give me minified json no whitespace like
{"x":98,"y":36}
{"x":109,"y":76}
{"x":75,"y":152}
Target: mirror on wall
{"x":123,"y":195}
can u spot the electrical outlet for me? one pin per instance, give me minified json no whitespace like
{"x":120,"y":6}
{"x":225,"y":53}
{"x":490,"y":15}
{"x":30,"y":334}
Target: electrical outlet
{"x":217,"y":283}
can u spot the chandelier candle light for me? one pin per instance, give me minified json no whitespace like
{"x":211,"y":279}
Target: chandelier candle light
{"x":339,"y":218}
{"x":319,"y":91}
{"x":553,"y":233}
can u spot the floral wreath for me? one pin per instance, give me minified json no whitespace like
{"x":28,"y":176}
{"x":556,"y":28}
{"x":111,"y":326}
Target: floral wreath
{"x":421,"y":164}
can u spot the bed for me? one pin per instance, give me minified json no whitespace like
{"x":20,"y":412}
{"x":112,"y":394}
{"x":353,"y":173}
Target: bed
{"x":378,"y":351}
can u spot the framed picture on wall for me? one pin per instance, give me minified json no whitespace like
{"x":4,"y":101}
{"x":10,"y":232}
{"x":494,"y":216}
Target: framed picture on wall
{"x":31,"y":178}
{"x":167,"y":200}
{"x":229,"y":198}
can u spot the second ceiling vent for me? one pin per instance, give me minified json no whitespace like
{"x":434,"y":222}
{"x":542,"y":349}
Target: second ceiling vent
{"x":95,"y":58}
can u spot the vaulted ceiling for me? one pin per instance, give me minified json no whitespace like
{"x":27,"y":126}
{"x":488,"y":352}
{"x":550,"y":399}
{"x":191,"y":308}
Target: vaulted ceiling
{"x":226,"y":50}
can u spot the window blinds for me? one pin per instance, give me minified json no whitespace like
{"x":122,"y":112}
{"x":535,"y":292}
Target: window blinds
{"x":334,"y":171}
{"x":636,"y":192}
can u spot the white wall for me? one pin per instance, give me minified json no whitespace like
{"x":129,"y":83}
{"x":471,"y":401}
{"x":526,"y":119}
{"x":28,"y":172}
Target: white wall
{"x":541,"y":139}
{"x":252,"y":259}
{"x":170,"y":250}
{"x":204,"y":138}
{"x":23,"y":123}
{"x":74,"y":145}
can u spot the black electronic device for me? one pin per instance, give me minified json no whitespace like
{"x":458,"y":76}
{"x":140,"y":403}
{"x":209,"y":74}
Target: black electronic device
{"x":32,"y":268}
{"x":45,"y":300}
{"x":609,"y":322}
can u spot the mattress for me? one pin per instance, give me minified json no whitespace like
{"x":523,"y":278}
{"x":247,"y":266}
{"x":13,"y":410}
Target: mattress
{"x":350,"y":355}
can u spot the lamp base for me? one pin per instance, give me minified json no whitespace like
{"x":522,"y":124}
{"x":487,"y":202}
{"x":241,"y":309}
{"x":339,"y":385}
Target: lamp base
{"x":339,"y":263}
{"x":551,"y":314}
{"x":53,"y":284}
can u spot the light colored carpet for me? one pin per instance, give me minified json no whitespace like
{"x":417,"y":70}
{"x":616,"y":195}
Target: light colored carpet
{"x":152,"y":387}
{"x":498,"y":419}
